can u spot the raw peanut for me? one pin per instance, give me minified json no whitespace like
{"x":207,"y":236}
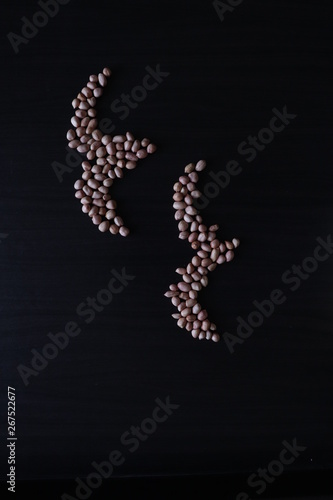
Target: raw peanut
{"x":221,"y":259}
{"x":179,"y":214}
{"x":184,"y":179}
{"x":204,"y":281}
{"x":178,"y":205}
{"x":196,"y":308}
{"x":131,"y":156}
{"x":201,"y":165}
{"x":197,"y":324}
{"x":71,"y":135}
{"x":182,"y":226}
{"x":190,"y":268}
{"x":193,"y":176}
{"x":129,"y":136}
{"x":178,"y":197}
{"x":86,"y":200}
{"x":88,"y":191}
{"x":196,"y":276}
{"x":99,"y":203}
{"x":119,"y":173}
{"x":119,"y":138}
{"x":191,"y":210}
{"x":100,"y":177}
{"x":86,"y":175}
{"x":124,"y":231}
{"x":136,"y":146}
{"x":104,"y":226}
{"x":107,"y":72}
{"x":74,"y":144}
{"x":222,"y":247}
{"x":111,"y":204}
{"x":118,"y":221}
{"x":111,"y":149}
{"x":130,"y":165}
{"x":205,"y":325}
{"x":205,"y":247}
{"x":193,"y":237}
{"x":101,"y":151}
{"x":188,"y":199}
{"x":184,"y":287}
{"x":98,"y":92}
{"x":102,"y":80}
{"x":202,"y":315}
{"x":97,"y":195}
{"x":79,"y":184}
{"x":97,"y":219}
{"x":189,"y":168}
{"x":190,"y":318}
{"x":86,"y":166}
{"x":141,"y":153}
{"x":190,"y":303}
{"x":229,"y":255}
{"x":93,"y":183}
{"x":185,"y":312}
{"x":91,"y":155}
{"x":188,"y":218}
{"x":181,"y":322}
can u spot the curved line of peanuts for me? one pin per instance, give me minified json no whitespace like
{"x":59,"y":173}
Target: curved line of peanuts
{"x":210,"y":252}
{"x":110,"y":155}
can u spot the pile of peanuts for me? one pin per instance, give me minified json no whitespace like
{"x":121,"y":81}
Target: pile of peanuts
{"x":209,"y":253}
{"x":110,"y":157}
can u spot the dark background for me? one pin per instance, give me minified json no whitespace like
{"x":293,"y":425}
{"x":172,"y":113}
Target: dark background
{"x":235,"y":410}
